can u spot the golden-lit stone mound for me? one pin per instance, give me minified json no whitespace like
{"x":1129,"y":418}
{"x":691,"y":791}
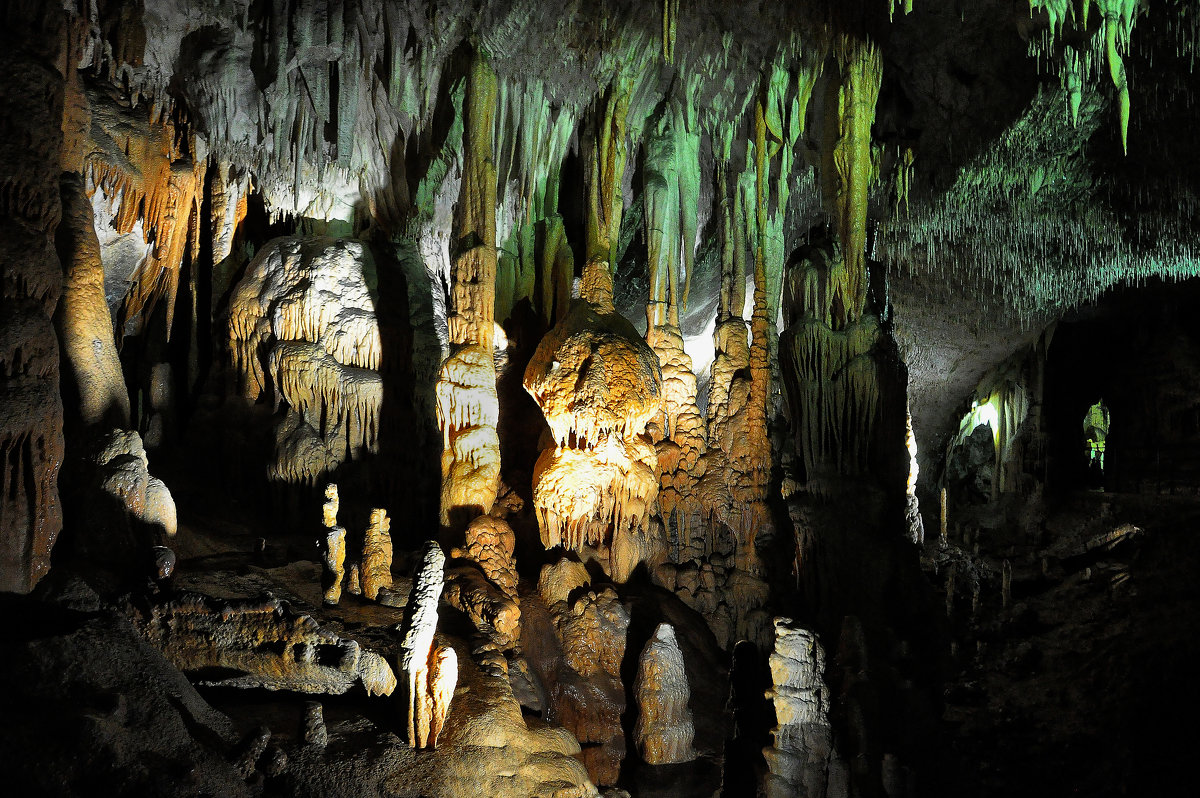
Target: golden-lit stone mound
{"x":260,"y":644}
{"x":467,"y":413}
{"x":598,"y":385}
{"x":593,"y":375}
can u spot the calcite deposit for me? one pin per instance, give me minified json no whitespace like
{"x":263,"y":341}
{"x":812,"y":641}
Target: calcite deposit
{"x":417,"y":655}
{"x":303,"y":329}
{"x":261,"y":644}
{"x":664,"y":729}
{"x":375,"y":570}
{"x":598,"y":386}
{"x":651,"y":325}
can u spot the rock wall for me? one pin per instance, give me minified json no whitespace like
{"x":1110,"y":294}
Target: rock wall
{"x":32,"y":51}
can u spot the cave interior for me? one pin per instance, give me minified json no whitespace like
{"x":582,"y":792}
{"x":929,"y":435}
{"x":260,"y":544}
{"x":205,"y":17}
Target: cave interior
{"x":445,"y":398}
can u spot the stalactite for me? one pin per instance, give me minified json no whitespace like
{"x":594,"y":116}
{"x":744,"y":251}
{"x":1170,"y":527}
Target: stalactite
{"x":846,"y":158}
{"x":606,"y":171}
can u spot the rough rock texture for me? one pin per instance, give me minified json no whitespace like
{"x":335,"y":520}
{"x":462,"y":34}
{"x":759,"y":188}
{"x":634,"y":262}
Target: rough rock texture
{"x":123,"y":510}
{"x":420,"y":624}
{"x":31,"y":413}
{"x":333,"y":546}
{"x":467,"y":413}
{"x":598,"y":386}
{"x":260,"y":644}
{"x":303,"y":328}
{"x":94,"y":386}
{"x":126,"y":722}
{"x":376,"y":567}
{"x":580,"y":664}
{"x":802,"y":760}
{"x":490,"y":543}
{"x":664,"y":729}
{"x":491,"y":609}
{"x":467,"y":406}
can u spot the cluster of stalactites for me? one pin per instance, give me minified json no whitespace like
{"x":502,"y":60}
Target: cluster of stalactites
{"x":1001,"y":401}
{"x":1118,"y":17}
{"x":847,"y":168}
{"x":303,"y":325}
{"x":834,"y":390}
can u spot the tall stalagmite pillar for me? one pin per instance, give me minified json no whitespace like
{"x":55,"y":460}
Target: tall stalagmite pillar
{"x":467,"y":406}
{"x":32,"y":43}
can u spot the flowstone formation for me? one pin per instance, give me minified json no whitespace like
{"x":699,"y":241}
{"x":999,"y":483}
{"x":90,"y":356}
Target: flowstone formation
{"x":598,"y":385}
{"x":487,"y":592}
{"x":303,"y":329}
{"x":664,"y":729}
{"x":467,"y":407}
{"x":828,"y":361}
{"x":581,"y":669}
{"x":260,"y":644}
{"x":94,"y":381}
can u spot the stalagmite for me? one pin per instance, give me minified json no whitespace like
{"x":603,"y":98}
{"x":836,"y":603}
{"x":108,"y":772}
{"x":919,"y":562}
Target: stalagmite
{"x":443,"y":677}
{"x":85,"y":327}
{"x":802,"y":757}
{"x":333,"y":553}
{"x":664,"y":729}
{"x":490,"y":543}
{"x":416,"y":651}
{"x":376,"y":565}
{"x":467,"y":406}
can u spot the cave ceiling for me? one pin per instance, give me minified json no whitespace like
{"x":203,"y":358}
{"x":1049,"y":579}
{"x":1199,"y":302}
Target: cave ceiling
{"x":1001,"y":189}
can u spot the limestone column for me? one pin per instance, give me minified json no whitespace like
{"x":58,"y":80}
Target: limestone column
{"x":467,"y":405}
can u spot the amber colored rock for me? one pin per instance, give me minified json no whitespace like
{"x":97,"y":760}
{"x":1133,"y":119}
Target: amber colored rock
{"x":375,"y":569}
{"x":94,"y":381}
{"x":260,"y":644}
{"x":490,"y":543}
{"x":333,"y":552}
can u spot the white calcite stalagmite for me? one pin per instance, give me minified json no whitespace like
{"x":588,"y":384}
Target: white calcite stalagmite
{"x":375,"y":571}
{"x":664,"y":730}
{"x":417,"y":649}
{"x":802,"y":754}
{"x":333,"y":549}
{"x":303,"y":328}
